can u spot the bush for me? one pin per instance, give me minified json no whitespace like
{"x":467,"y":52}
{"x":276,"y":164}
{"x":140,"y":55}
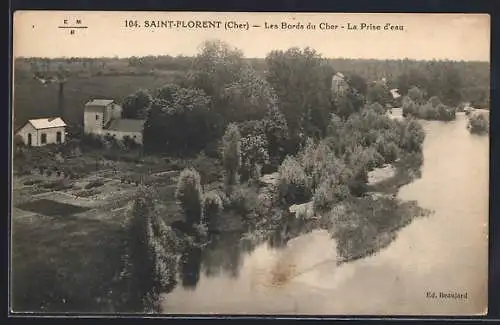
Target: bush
{"x":243,"y":201}
{"x":478,"y":124}
{"x":189,"y":195}
{"x":93,"y":140}
{"x":94,"y":183}
{"x":329,"y":192}
{"x":388,"y":149}
{"x":58,"y":185}
{"x":209,"y":168}
{"x":293,"y":184}
{"x":412,"y":137}
{"x":253,"y":152}
{"x":445,"y":113}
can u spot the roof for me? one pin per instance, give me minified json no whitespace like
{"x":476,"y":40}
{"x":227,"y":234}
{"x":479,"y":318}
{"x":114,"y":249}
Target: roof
{"x":126,"y":125}
{"x":46,"y":123}
{"x":99,"y":102}
{"x":339,"y":75}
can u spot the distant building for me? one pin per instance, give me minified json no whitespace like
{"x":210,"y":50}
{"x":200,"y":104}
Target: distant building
{"x":339,"y":84}
{"x":43,"y":131}
{"x":395,"y":93}
{"x":103,"y":117}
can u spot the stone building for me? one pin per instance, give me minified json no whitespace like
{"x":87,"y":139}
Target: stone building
{"x":103,"y":117}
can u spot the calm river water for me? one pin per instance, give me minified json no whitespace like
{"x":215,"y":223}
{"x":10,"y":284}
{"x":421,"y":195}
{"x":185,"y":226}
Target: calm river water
{"x":446,"y":252}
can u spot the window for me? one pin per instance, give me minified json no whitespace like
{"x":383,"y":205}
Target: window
{"x":29,"y":139}
{"x":43,"y":138}
{"x":97,"y":117}
{"x":58,"y":137}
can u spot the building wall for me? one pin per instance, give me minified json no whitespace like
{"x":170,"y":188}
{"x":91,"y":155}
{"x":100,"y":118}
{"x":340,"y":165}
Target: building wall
{"x":339,"y":85}
{"x":108,"y":113}
{"x":25,"y":130}
{"x":36,"y":135}
{"x":116,"y":111}
{"x":93,"y":121}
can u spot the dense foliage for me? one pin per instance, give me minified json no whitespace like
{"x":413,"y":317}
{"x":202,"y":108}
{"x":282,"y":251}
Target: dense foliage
{"x":302,"y":80}
{"x":117,"y":78}
{"x":136,"y":105}
{"x":433,"y":109}
{"x":178,"y":121}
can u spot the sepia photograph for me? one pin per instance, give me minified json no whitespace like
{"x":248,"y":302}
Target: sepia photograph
{"x":223,"y":163}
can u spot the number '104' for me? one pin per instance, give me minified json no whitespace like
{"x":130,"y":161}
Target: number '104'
{"x":131,"y":23}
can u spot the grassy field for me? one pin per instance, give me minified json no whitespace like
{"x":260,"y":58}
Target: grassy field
{"x":68,"y":247}
{"x":65,"y":264}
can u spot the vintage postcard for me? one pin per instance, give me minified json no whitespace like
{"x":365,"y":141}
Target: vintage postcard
{"x":250,"y":163}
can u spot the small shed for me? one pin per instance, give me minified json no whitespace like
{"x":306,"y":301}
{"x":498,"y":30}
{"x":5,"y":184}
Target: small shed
{"x":43,"y":131}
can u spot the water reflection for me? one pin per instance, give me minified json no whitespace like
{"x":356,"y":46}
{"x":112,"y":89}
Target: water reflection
{"x":190,"y":265}
{"x":223,"y":254}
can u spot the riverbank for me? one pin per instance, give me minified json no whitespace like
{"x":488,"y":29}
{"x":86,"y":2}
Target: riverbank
{"x":363,"y":225}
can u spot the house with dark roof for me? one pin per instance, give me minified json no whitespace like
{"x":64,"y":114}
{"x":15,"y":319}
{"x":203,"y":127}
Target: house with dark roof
{"x":103,"y":117}
{"x":42,"y":131}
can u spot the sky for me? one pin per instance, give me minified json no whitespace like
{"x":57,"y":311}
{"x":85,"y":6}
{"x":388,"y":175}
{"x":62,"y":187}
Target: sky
{"x":424,"y":36}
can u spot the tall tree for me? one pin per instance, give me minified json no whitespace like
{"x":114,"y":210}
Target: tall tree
{"x":231,"y":155}
{"x":250,"y":97}
{"x":136,"y":105}
{"x":190,"y":196}
{"x":301,"y":79}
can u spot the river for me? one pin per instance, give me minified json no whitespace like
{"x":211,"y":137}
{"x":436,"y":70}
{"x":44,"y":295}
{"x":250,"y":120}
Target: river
{"x":445,"y":252}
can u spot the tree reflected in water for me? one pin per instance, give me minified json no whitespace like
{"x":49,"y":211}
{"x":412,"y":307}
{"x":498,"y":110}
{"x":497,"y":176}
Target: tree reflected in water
{"x":223,"y":254}
{"x":190,"y":265}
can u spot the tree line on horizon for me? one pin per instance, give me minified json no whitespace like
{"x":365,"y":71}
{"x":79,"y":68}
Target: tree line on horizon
{"x":452,"y":81}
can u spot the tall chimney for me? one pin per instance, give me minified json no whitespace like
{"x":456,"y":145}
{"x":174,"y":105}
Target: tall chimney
{"x":60,"y":100}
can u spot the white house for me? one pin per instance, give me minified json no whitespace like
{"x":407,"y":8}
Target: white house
{"x":103,"y":117}
{"x":42,"y":131}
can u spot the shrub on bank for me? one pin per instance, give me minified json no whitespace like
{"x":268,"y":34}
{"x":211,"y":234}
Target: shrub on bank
{"x":433,"y":109}
{"x":329,"y":192}
{"x":212,"y":208}
{"x":190,"y":196}
{"x":478,"y":124}
{"x":293,"y":186}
